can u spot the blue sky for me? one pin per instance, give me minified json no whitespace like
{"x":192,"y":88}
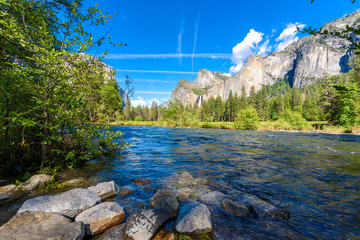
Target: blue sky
{"x":168,"y":40}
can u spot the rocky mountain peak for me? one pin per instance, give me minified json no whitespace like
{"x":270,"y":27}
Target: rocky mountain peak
{"x":301,"y":63}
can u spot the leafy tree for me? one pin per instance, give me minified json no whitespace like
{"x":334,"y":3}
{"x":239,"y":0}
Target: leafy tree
{"x":247,"y":119}
{"x":47,"y":84}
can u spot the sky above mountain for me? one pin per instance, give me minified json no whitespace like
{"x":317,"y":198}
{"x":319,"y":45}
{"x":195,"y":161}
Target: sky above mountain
{"x":169,"y":40}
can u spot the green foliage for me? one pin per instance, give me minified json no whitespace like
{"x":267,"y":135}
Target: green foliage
{"x":51,"y":90}
{"x":247,"y":119}
{"x":296,"y":120}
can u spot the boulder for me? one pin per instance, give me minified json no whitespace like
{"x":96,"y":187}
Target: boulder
{"x":9,"y":193}
{"x":143,"y":225}
{"x":114,"y":233}
{"x":126,"y":191}
{"x":235,"y":208}
{"x":165,"y":199}
{"x":165,"y":234}
{"x":101,"y":217}
{"x":37,"y":181}
{"x":213,"y":197}
{"x":261,"y":208}
{"x":105,"y":189}
{"x":194,"y":218}
{"x":142,"y":181}
{"x":74,"y":182}
{"x":69,"y":203}
{"x":40,"y":225}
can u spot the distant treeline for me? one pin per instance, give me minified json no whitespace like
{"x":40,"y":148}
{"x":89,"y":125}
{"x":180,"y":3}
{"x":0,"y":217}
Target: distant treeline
{"x":334,"y":99}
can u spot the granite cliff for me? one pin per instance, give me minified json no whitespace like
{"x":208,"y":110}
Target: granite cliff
{"x":302,"y":63}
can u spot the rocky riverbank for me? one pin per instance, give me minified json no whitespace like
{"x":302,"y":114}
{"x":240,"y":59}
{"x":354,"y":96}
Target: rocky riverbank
{"x":182,"y":210}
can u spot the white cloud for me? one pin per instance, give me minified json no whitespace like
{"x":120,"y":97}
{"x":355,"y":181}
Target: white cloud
{"x":244,"y":49}
{"x":139,"y":102}
{"x":180,"y":41}
{"x":227,"y":74}
{"x":195,"y":39}
{"x":265,"y":48}
{"x":169,"y":55}
{"x":155,"y":71}
{"x":288,"y":35}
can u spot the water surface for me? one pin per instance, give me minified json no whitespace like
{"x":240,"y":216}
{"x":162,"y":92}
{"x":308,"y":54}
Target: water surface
{"x":313,"y":177}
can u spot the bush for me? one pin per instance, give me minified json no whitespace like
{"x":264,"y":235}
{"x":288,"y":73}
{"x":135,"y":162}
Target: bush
{"x":247,"y":119}
{"x":138,"y":119}
{"x":296,"y":120}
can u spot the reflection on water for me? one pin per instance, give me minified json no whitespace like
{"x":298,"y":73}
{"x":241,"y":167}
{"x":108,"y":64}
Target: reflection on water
{"x":315,"y":177}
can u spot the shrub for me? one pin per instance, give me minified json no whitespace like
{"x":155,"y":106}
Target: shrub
{"x":247,"y":119}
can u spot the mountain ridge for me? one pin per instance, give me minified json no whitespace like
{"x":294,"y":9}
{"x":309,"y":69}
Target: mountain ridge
{"x":302,"y":63}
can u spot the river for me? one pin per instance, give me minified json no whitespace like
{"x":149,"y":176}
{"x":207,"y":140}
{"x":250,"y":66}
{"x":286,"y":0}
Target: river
{"x":313,"y":178}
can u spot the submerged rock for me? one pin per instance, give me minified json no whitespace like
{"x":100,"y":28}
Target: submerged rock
{"x":40,"y":225}
{"x":213,"y":197}
{"x":165,"y":235}
{"x":143,"y":225}
{"x":105,"y":189}
{"x":142,"y":181}
{"x":37,"y":181}
{"x":100,"y":218}
{"x":235,"y":208}
{"x":114,"y":233}
{"x":194,"y":218}
{"x":261,"y":208}
{"x":126,"y":191}
{"x":165,"y":199}
{"x":69,"y":203}
{"x":9,"y":193}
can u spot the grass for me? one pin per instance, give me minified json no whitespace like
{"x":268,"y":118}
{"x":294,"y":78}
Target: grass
{"x":318,"y":126}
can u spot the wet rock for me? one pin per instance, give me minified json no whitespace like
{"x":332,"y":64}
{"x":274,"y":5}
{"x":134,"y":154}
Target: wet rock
{"x":150,"y":188}
{"x":40,"y":225}
{"x":9,"y":193}
{"x":100,"y":218}
{"x":165,"y":199}
{"x":37,"y":181}
{"x":260,"y":207}
{"x":186,"y":183}
{"x":165,"y":235}
{"x":114,"y":233}
{"x":105,"y":189}
{"x":194,"y":218}
{"x":143,"y":225}
{"x":142,"y":181}
{"x":74,"y":182}
{"x":126,"y":191}
{"x":69,"y":203}
{"x":235,"y":208}
{"x":213,"y":197}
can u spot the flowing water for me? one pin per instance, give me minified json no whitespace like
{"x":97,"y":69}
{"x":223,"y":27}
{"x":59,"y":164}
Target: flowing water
{"x":313,"y":178}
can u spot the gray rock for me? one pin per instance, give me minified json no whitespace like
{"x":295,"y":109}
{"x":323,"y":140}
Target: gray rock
{"x":194,"y":218}
{"x":74,"y":182}
{"x":126,"y":191}
{"x":304,"y":62}
{"x":213,"y":197}
{"x":101,"y":217}
{"x":105,"y":189}
{"x":235,"y":208}
{"x":69,"y":203}
{"x":260,"y":207}
{"x":143,"y":225}
{"x":37,"y":181}
{"x":40,"y":225}
{"x":9,"y":193}
{"x":114,"y":233}
{"x":165,"y":199}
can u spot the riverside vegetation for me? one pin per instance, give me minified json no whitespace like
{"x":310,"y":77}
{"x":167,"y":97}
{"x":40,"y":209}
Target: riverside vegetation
{"x":51,"y":91}
{"x":332,"y":104}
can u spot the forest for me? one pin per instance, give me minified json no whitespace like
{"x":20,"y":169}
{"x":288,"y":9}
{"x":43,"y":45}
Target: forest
{"x":332,"y":101}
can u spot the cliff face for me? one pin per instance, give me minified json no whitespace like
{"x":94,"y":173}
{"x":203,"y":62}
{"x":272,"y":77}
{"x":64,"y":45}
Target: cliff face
{"x":303,"y":62}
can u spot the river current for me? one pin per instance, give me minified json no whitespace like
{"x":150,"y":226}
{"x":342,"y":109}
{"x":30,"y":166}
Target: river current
{"x":313,"y":178}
